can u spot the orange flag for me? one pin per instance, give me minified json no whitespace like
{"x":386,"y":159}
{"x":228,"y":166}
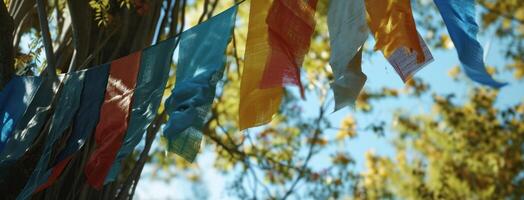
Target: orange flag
{"x":291,"y":24}
{"x":257,"y":106}
{"x":391,"y":23}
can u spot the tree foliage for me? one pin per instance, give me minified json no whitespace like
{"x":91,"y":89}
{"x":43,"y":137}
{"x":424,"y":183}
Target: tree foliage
{"x":460,"y":151}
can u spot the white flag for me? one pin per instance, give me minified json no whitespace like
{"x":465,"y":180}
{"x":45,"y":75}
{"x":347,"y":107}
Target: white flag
{"x":348,"y":30}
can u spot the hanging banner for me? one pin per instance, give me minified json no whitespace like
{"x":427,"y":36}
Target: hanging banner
{"x":351,"y":81}
{"x":65,"y":109}
{"x":200,"y":66}
{"x":29,"y":125}
{"x":391,"y":23}
{"x":84,"y":122}
{"x":348,"y":30}
{"x":257,"y":106}
{"x":291,"y":25}
{"x":152,"y":79}
{"x":14,"y":100}
{"x":405,"y":61}
{"x":114,"y":116}
{"x":459,"y":17}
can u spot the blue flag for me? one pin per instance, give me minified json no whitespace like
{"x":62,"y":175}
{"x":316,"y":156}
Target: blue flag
{"x":200,"y":67}
{"x":14,"y":100}
{"x":152,"y":78}
{"x":459,"y":17}
{"x":66,"y":107}
{"x":29,"y":125}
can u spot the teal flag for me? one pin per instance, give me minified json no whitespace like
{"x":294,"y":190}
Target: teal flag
{"x":152,"y":78}
{"x":200,"y":66}
{"x":87,"y":116}
{"x":65,"y":109}
{"x":14,"y":100}
{"x":84,"y":122}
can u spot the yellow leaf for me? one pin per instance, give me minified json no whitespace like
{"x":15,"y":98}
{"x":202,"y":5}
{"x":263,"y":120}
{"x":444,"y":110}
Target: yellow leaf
{"x":446,"y":41}
{"x":347,"y":128}
{"x":519,"y":14}
{"x":506,"y":24}
{"x":454,"y":72}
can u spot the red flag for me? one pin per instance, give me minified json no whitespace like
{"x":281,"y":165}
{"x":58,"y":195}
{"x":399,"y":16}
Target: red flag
{"x":55,"y":173}
{"x":291,"y":24}
{"x":114,"y":116}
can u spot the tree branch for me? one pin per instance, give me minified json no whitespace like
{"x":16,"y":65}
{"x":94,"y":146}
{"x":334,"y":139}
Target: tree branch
{"x":213,"y":7}
{"x":137,"y":169}
{"x":50,"y":57}
{"x":81,"y":22}
{"x":204,"y":12}
{"x":310,"y":153}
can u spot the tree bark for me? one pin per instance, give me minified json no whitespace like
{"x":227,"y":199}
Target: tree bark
{"x":6,"y":45}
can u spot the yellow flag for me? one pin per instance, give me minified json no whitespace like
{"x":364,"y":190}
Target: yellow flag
{"x":391,"y":23}
{"x":257,"y":106}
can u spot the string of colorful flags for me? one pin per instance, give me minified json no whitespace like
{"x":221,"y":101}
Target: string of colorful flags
{"x":114,"y":103}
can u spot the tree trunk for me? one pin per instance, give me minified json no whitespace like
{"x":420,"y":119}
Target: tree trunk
{"x":6,"y":45}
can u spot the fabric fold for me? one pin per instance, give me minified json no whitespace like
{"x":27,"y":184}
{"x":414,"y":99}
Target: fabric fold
{"x":29,"y":125}
{"x":200,"y":66}
{"x":84,"y":122}
{"x":114,"y":115}
{"x":348,"y":30}
{"x":291,"y":25}
{"x":351,"y":80}
{"x":393,"y":27}
{"x":405,"y":62}
{"x":14,"y":100}
{"x":459,"y":17}
{"x":152,"y":79}
{"x":257,"y":106}
{"x":65,"y":109}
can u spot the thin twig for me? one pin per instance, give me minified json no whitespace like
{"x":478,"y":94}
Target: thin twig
{"x":204,"y":12}
{"x":137,"y":169}
{"x":235,"y":53}
{"x":266,"y":189}
{"x":310,"y":153}
{"x":213,"y":7}
{"x":98,"y":49}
